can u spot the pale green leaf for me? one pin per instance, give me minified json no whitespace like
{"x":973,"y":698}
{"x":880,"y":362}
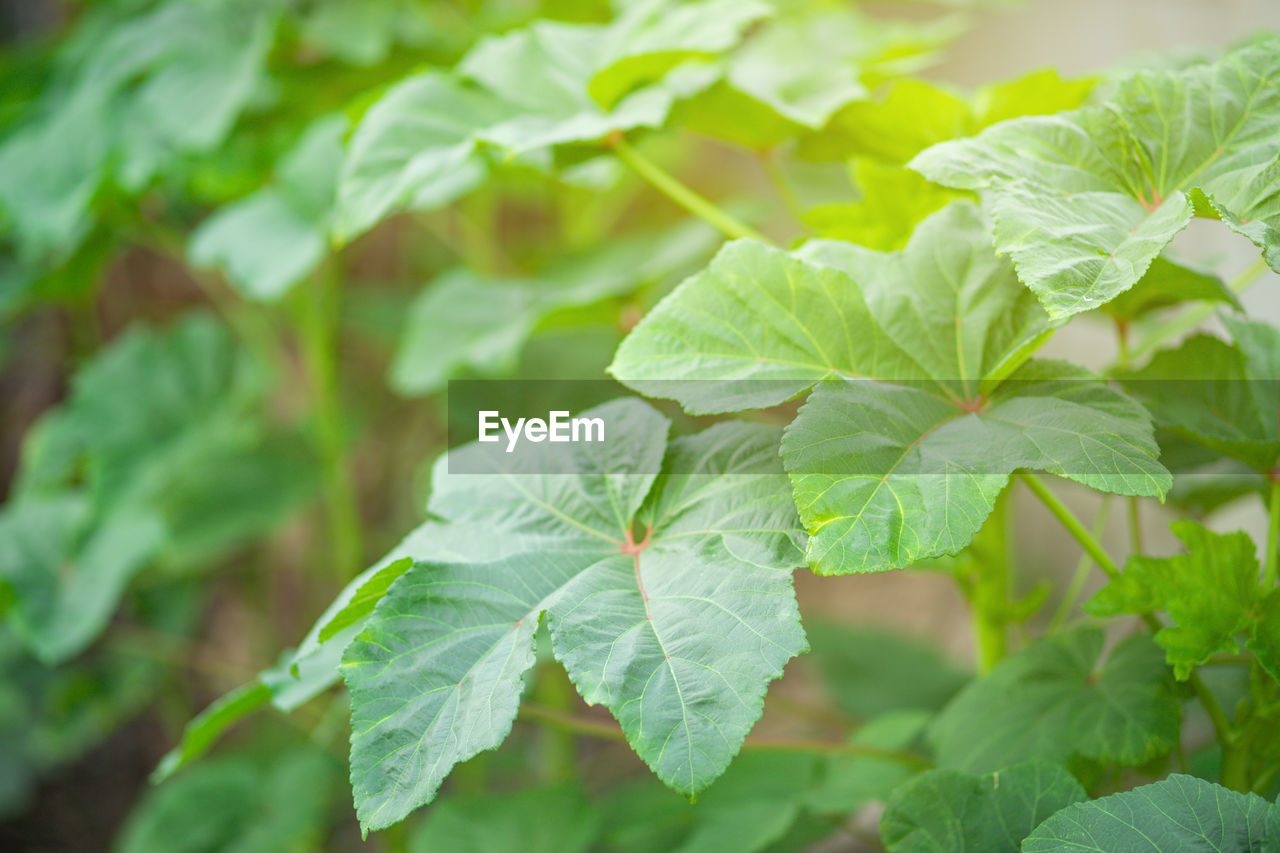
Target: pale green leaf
{"x":722,"y":545}
{"x":1061,"y":698}
{"x":465,"y":320}
{"x":272,"y":239}
{"x":364,"y":33}
{"x":414,"y":149}
{"x":946,"y":811}
{"x":894,"y":200}
{"x":1178,"y":813}
{"x":1085,"y":200}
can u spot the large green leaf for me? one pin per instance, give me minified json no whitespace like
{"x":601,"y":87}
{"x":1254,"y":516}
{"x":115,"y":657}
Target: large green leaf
{"x":465,"y":320}
{"x":1179,"y":813}
{"x":908,"y":467}
{"x":435,"y":676}
{"x":1060,"y":698}
{"x":946,"y":811}
{"x":1084,"y":200}
{"x":1211,"y":592}
{"x":1223,"y":396}
{"x":272,"y":239}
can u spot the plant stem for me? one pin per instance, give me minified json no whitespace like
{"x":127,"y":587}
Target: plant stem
{"x":1135,"y":526}
{"x":1085,"y":563}
{"x":991,"y":587}
{"x":606,"y":731}
{"x":318,"y":332}
{"x":672,"y":188}
{"x":1086,"y":539}
{"x":1270,"y":558}
{"x":1193,"y":317}
{"x":559,"y":756}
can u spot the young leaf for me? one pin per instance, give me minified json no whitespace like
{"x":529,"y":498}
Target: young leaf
{"x":894,"y":201}
{"x":366,"y":598}
{"x":1084,"y":200}
{"x":272,"y":239}
{"x":946,"y":811}
{"x":1178,"y":813}
{"x":908,"y":467}
{"x":1059,"y":698}
{"x":1219,"y":395}
{"x":721,"y":545}
{"x":1211,"y":592}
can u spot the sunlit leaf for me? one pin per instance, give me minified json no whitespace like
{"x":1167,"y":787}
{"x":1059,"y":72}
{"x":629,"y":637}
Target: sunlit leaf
{"x":1084,"y":200}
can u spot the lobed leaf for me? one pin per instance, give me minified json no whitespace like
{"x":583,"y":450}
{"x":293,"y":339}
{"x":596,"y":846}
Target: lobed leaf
{"x":464,"y":628}
{"x":1060,"y":698}
{"x":1177,"y":813}
{"x":946,"y":811}
{"x":1084,"y":201}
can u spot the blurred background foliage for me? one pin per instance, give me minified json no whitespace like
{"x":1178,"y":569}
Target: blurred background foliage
{"x":244,"y":246}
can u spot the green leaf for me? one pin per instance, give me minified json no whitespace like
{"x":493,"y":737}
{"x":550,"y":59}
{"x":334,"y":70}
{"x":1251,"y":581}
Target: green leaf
{"x":890,"y":472}
{"x":543,"y":71}
{"x":1167,"y":283}
{"x":235,"y":803}
{"x":914,"y":115}
{"x":1211,"y":592}
{"x":269,"y":241}
{"x":1178,"y":813}
{"x":465,"y":320}
{"x":414,"y":149}
{"x":651,"y":37}
{"x":536,"y":820}
{"x":199,"y":735}
{"x":66,"y":573}
{"x":870,"y":671}
{"x":1059,"y":698}
{"x":946,"y":811}
{"x":1085,"y":200}
{"x":366,"y":598}
{"x":364,"y":33}
{"x":465,"y":628}
{"x":1219,"y":395}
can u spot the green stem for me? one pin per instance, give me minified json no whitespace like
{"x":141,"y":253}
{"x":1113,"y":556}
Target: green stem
{"x":1068,"y":520}
{"x":559,"y":755}
{"x":1135,"y":526}
{"x":318,"y":331}
{"x":1193,"y":317}
{"x":1081,"y":575}
{"x":672,"y":188}
{"x":991,"y":587}
{"x":1270,"y":558}
{"x":786,"y":193}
